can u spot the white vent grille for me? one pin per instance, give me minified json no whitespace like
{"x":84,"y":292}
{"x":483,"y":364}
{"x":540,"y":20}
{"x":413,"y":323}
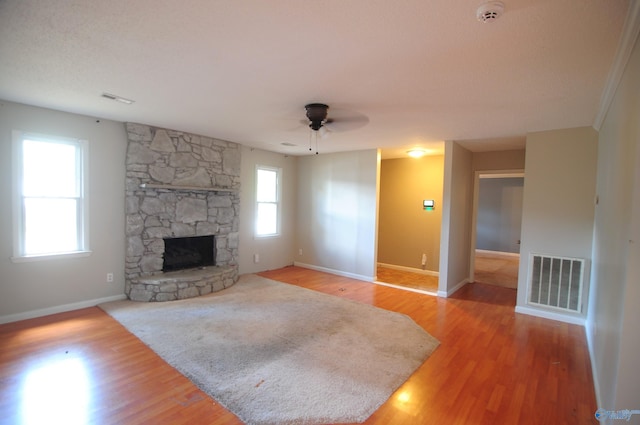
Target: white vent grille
{"x":556,"y":282}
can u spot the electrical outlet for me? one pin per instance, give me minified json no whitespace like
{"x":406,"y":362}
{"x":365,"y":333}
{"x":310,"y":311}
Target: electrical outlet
{"x":256,"y":258}
{"x":424,"y":259}
{"x":300,"y":251}
{"x":109,"y":277}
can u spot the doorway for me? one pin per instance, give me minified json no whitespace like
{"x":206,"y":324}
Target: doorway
{"x":497,"y":218}
{"x":409,"y":223}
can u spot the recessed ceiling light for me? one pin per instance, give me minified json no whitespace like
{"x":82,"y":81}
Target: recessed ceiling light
{"x":117,"y":98}
{"x":416,"y":153}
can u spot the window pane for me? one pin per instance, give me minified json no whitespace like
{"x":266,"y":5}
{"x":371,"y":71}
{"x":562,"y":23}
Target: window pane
{"x":50,"y":169}
{"x":50,"y":226}
{"x":267,"y":186}
{"x":267,"y":220}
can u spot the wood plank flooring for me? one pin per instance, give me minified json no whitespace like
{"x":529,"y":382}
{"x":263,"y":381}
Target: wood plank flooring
{"x":496,"y":268}
{"x":407,"y":279}
{"x":493,"y":366}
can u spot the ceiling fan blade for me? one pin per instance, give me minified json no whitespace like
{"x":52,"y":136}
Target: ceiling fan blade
{"x":320,"y":117}
{"x":347,"y":123}
{"x":324,"y":132}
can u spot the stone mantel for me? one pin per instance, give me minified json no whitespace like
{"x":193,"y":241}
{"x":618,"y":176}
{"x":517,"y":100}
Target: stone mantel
{"x":185,"y":188}
{"x":177,"y":185}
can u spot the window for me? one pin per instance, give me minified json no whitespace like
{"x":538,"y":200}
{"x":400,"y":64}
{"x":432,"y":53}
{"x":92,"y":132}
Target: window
{"x":267,"y":201}
{"x":50,"y":206}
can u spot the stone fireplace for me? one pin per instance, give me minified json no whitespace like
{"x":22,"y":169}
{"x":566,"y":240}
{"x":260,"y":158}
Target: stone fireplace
{"x":179,"y":185}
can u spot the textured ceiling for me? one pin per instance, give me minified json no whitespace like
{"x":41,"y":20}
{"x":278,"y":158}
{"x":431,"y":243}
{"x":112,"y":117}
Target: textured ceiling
{"x":420,"y":71}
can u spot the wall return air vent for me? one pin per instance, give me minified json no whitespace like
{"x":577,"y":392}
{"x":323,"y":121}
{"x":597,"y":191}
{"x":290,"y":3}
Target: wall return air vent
{"x":556,"y":282}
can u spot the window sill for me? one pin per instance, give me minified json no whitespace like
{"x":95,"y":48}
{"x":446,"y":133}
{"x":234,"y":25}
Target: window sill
{"x":62,"y":256}
{"x":270,"y":236}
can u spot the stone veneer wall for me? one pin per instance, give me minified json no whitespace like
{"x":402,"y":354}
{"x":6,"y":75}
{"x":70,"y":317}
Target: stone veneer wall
{"x":186,"y":162}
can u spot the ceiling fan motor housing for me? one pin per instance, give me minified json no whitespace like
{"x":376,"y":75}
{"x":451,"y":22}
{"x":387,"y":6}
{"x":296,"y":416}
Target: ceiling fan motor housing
{"x":317,"y":114}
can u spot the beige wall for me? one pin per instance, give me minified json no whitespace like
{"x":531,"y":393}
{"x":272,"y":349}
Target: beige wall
{"x":273,"y":252}
{"x":499,"y":160}
{"x":559,"y":190}
{"x":405,"y":229}
{"x":337,"y":212}
{"x":42,"y":287}
{"x":455,"y":246}
{"x":614,"y":314}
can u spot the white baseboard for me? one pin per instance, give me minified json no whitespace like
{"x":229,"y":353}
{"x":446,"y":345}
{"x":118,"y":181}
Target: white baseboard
{"x":448,"y":293}
{"x":405,"y":288}
{"x":333,"y":271}
{"x":409,"y":269}
{"x":499,"y":253}
{"x":574,"y":320}
{"x":58,"y":309}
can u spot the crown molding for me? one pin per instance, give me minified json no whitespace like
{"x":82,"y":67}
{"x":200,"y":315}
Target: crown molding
{"x":630,"y":31}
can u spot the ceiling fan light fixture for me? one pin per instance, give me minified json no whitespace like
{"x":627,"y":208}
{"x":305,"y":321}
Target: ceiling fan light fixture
{"x":416,"y":153}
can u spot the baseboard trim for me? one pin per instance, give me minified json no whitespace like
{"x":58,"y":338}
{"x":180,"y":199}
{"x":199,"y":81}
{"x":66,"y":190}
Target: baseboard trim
{"x":409,"y":269}
{"x":58,"y":309}
{"x":550,"y":315}
{"x":333,"y":271}
{"x":448,"y":293}
{"x":498,"y":253}
{"x":405,"y":288}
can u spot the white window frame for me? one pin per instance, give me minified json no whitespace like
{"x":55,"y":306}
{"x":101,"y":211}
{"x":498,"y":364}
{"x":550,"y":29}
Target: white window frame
{"x":83,"y":250}
{"x":278,"y":201}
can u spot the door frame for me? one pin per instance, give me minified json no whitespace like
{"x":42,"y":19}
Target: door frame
{"x":494,"y":174}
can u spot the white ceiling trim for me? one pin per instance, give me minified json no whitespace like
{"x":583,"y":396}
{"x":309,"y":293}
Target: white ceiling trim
{"x":628,"y":38}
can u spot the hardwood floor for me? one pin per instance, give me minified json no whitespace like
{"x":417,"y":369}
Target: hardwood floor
{"x":493,"y":366}
{"x":496,"y":268}
{"x":406,"y":279}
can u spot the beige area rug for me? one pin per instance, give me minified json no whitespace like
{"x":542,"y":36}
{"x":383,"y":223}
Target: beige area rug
{"x":274,"y":353}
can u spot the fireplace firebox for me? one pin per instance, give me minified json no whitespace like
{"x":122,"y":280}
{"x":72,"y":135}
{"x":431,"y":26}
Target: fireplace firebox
{"x":189,"y":252}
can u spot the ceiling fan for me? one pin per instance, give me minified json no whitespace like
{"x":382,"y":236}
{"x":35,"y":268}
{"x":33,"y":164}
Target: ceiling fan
{"x":317,"y":118}
{"x":341,"y":120}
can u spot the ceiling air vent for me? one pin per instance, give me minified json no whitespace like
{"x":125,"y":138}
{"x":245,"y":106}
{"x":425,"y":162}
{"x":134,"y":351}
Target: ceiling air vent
{"x":490,"y":11}
{"x":117,"y":98}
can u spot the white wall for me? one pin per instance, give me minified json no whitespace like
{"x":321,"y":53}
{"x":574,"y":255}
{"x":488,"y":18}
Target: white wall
{"x":273,"y":252}
{"x":614,"y":314}
{"x":627,"y":391}
{"x":337,"y":212}
{"x":35,"y":288}
{"x":455,"y":241}
{"x":559,"y":190}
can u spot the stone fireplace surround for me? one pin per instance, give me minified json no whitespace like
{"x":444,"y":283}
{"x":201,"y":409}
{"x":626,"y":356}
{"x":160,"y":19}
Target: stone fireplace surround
{"x":179,"y":184}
